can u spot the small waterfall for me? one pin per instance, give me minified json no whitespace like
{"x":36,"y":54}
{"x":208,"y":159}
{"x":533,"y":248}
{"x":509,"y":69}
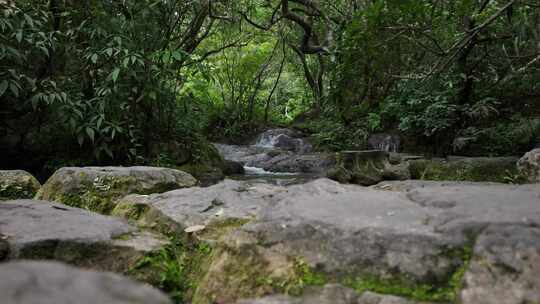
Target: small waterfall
{"x":284,"y":139}
{"x":385,"y":142}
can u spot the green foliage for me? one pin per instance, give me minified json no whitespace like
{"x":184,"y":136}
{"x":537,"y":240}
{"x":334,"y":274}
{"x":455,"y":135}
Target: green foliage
{"x":425,"y":111}
{"x":176,"y":266}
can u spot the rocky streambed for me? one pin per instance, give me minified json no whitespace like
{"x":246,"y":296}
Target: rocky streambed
{"x":254,"y":240}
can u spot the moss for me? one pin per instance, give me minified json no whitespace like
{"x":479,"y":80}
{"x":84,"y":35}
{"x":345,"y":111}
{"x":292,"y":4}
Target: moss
{"x":9,"y":192}
{"x":176,"y":268}
{"x":234,"y":274}
{"x":221,"y":227}
{"x":303,"y":276}
{"x":445,"y":291}
{"x":100,"y":195}
{"x":482,"y":170}
{"x":91,"y":200}
{"x":17,"y":187}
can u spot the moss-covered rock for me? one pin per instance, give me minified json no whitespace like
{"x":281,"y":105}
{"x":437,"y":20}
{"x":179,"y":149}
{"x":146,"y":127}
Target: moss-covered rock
{"x":474,"y":169}
{"x":47,"y":231}
{"x":98,"y":188}
{"x":17,"y":184}
{"x":248,"y":240}
{"x":529,"y":166}
{"x":366,"y":168}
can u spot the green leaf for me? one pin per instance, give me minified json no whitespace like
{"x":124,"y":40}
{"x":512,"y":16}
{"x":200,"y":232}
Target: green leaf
{"x":19,"y":36}
{"x":178,"y":56}
{"x":29,"y":20}
{"x":114,"y":74}
{"x":80,"y":140}
{"x":90,"y":133}
{"x":94,"y":58}
{"x":3,"y":87}
{"x":14,"y":89}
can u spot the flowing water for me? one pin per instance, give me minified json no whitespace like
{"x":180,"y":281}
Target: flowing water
{"x":274,"y":158}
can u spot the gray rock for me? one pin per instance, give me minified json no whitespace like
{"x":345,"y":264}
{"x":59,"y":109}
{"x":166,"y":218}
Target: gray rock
{"x":285,"y":139}
{"x":247,"y":154}
{"x":197,"y":206}
{"x":276,"y":160}
{"x":315,"y":163}
{"x":412,"y":232}
{"x":43,"y":230}
{"x":27,"y":282}
{"x":529,"y":166}
{"x":505,"y":266}
{"x":17,"y":184}
{"x":97,"y":188}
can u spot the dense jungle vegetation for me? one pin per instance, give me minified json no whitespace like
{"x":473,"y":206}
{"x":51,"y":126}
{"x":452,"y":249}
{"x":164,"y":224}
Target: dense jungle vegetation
{"x":154,"y":81}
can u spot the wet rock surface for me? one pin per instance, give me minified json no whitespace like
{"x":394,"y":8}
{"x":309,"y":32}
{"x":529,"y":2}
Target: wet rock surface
{"x":97,"y":188}
{"x":25,"y":282}
{"x":408,"y":234}
{"x":280,"y":150}
{"x":41,"y":230}
{"x":17,"y":184}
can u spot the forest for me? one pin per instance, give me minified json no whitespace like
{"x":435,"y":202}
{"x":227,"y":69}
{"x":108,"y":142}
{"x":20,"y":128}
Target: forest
{"x":103,"y":81}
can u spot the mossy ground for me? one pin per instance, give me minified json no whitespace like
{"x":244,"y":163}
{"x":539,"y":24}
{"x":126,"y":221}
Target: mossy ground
{"x":445,"y":291}
{"x":481,"y":171}
{"x":176,"y":268}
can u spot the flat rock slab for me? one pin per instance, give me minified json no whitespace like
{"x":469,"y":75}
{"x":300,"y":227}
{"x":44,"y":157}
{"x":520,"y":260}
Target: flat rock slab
{"x":413,"y":234}
{"x":97,"y":188}
{"x":17,"y":184}
{"x":41,"y":230}
{"x":27,"y":282}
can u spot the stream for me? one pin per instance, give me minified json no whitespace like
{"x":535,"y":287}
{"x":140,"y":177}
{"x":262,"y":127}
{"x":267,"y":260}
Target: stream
{"x":278,"y":156}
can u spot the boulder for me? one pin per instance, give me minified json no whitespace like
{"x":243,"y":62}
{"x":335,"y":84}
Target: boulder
{"x":277,"y":160}
{"x":367,"y":168}
{"x":475,"y":169}
{"x":412,"y":239}
{"x":42,"y":230}
{"x":17,"y":184}
{"x":56,"y":283}
{"x":529,"y":166}
{"x":243,"y":154}
{"x":97,"y":188}
{"x":233,"y":168}
{"x":206,"y":175}
{"x":315,"y":163}
{"x":505,"y":266}
{"x":285,"y":139}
